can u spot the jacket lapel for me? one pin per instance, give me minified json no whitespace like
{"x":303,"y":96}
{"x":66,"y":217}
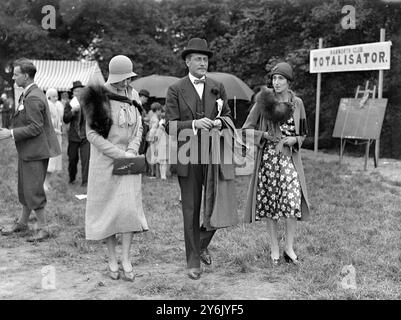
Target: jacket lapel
{"x":34,"y":86}
{"x":210,"y":99}
{"x":189,"y":93}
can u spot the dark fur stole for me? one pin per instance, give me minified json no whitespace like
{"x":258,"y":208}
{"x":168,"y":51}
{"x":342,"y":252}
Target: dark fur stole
{"x":95,"y":100}
{"x":271,"y":108}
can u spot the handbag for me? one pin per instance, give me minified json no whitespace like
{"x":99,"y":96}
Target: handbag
{"x":124,"y":166}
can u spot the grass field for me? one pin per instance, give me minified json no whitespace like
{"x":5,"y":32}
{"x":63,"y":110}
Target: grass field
{"x":355,"y":219}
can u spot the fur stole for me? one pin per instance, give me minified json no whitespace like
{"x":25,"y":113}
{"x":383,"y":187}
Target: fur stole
{"x":271,"y":108}
{"x":95,"y":100}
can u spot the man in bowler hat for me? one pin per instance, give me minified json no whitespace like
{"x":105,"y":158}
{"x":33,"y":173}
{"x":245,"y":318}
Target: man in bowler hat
{"x":78,"y":145}
{"x":191,"y":106}
{"x":36,"y":142}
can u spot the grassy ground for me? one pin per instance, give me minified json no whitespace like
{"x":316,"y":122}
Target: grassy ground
{"x":355,"y":220}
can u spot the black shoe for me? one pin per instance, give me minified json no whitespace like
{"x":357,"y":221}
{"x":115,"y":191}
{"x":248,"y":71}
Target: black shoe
{"x":39,"y":236}
{"x":205,"y":257}
{"x":288,"y":259}
{"x":15,"y":228}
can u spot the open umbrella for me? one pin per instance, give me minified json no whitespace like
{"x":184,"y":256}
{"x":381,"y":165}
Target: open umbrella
{"x":236,"y":89}
{"x":157,"y":85}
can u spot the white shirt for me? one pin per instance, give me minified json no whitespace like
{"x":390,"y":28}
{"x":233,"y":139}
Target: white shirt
{"x":198,"y":87}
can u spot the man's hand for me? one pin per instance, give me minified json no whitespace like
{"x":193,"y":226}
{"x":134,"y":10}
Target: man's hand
{"x":5,"y":133}
{"x":290,"y":141}
{"x":217,"y":124}
{"x":74,"y":103}
{"x":204,"y":123}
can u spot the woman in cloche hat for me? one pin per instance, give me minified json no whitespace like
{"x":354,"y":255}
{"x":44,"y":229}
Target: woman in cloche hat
{"x":114,"y":203}
{"x":278,"y":189}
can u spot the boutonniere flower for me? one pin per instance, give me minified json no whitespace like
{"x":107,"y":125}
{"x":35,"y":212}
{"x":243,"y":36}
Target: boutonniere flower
{"x":215,"y":91}
{"x":21,"y":107}
{"x":220,"y":104}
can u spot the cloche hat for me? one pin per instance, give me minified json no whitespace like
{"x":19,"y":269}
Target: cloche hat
{"x":120,"y":68}
{"x":284,"y":69}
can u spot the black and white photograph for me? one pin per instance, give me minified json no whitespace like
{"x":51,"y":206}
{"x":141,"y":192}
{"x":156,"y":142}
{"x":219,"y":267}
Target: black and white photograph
{"x":212,"y":151}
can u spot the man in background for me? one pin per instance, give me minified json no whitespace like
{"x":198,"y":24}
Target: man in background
{"x":143,"y":99}
{"x":78,"y":145}
{"x":6,"y":111}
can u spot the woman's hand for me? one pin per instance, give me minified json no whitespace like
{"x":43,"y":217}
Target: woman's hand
{"x":130,"y":153}
{"x":290,"y":141}
{"x":269,"y":137}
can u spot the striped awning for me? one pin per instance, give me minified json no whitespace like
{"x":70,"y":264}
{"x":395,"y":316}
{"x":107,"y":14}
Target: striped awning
{"x":60,"y":74}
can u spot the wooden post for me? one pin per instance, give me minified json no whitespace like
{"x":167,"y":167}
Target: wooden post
{"x":365,"y":167}
{"x":235,"y":107}
{"x":380,"y":96}
{"x":319,"y":81}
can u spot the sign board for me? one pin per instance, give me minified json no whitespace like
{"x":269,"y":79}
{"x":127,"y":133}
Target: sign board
{"x":359,"y":122}
{"x":369,"y":56}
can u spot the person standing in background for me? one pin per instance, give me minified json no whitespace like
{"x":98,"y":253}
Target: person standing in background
{"x":64,"y":98}
{"x":143,"y":99}
{"x":78,"y":145}
{"x":56,"y":111}
{"x":151,"y":154}
{"x":162,"y":146}
{"x":6,"y":111}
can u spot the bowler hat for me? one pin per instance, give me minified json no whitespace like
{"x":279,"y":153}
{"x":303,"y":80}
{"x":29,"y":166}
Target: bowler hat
{"x":196,"y":45}
{"x":77,"y":84}
{"x":284,"y":69}
{"x":144,"y":93}
{"x":120,"y":68}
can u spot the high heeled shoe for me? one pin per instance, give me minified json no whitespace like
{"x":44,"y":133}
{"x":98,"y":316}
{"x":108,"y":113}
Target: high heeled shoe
{"x":114,"y":275}
{"x":288,"y":259}
{"x":128,"y":275}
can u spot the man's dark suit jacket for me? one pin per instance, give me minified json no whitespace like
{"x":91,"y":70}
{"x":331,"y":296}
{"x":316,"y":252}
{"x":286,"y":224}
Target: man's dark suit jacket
{"x":181,"y":103}
{"x":77,"y":130}
{"x":33,"y":130}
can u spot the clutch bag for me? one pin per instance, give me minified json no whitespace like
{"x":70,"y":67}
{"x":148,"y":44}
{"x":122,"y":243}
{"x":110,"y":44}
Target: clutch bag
{"x":134,"y":165}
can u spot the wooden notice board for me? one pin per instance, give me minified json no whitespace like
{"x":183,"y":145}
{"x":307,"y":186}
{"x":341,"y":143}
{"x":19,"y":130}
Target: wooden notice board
{"x":359,"y":121}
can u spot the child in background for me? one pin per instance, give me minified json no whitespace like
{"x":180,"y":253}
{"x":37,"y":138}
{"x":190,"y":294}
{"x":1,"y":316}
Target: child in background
{"x":151,"y":153}
{"x":162,"y":145}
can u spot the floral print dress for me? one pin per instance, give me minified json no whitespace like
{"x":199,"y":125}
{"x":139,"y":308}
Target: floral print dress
{"x":278,"y":191}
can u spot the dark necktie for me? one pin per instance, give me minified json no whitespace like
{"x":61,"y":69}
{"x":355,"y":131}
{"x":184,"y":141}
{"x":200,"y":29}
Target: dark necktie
{"x":197,"y":81}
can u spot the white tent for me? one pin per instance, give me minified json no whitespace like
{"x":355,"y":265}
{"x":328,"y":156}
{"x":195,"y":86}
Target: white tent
{"x":60,"y":74}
